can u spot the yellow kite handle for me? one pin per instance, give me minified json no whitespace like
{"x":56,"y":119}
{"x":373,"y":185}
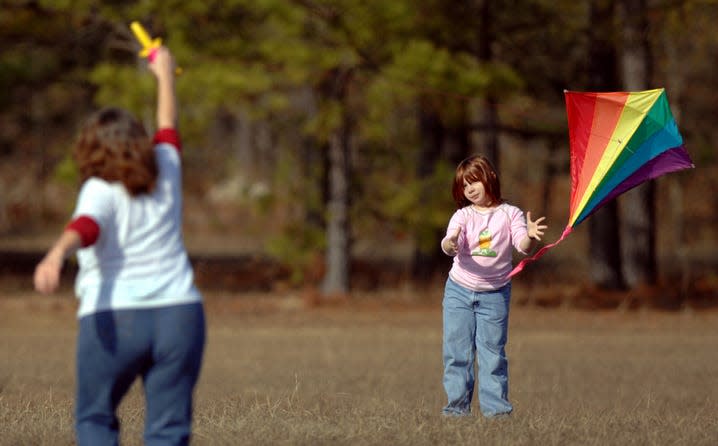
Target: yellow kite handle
{"x":149,"y":45}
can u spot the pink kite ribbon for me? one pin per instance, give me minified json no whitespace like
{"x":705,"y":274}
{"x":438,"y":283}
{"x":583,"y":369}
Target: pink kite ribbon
{"x":520,"y":266}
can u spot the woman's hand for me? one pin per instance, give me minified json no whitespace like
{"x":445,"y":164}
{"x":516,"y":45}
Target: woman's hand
{"x":47,"y":274}
{"x":163,"y":67}
{"x":163,"y":64}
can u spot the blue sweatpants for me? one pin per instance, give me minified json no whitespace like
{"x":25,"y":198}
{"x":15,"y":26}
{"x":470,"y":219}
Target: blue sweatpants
{"x":163,"y":346}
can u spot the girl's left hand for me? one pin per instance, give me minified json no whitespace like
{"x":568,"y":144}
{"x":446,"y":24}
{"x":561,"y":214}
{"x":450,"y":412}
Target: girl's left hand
{"x":534,"y":229}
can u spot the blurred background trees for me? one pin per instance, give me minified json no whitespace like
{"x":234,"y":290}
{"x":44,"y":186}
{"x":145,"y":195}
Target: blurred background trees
{"x":323,"y":131}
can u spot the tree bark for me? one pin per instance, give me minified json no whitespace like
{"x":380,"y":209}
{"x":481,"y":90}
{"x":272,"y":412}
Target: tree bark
{"x":489,"y":114}
{"x":431,"y":130}
{"x":438,"y":141}
{"x":605,"y":241}
{"x":338,"y":253}
{"x":605,"y":253}
{"x":637,"y":207}
{"x":336,"y":281}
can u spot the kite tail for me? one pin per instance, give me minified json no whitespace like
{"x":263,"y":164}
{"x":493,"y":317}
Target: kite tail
{"x":520,"y":266}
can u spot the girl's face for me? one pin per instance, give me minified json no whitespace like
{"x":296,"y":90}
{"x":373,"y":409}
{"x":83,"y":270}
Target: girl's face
{"x":476,"y":193}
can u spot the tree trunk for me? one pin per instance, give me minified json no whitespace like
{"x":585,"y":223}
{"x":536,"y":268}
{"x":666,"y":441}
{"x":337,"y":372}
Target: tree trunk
{"x":604,"y":250}
{"x":336,"y":280}
{"x":431,"y":132}
{"x":314,"y":168}
{"x":488,"y":114}
{"x":605,"y":242}
{"x":437,"y":142}
{"x":637,"y":207}
{"x":490,"y":141}
{"x":338,"y":254}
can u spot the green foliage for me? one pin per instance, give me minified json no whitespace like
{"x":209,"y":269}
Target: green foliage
{"x":113,"y":81}
{"x":300,"y":239}
{"x":297,"y":247}
{"x":280,"y":62}
{"x":27,"y":65}
{"x":67,"y":5}
{"x":327,"y":119}
{"x":399,"y":205}
{"x":438,"y":207}
{"x":66,"y":171}
{"x":425,"y":67}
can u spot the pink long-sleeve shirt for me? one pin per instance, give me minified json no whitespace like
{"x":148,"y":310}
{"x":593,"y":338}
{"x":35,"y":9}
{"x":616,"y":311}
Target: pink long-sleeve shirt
{"x":483,"y":258}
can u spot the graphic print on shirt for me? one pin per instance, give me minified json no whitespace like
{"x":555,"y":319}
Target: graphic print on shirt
{"x":484,"y":247}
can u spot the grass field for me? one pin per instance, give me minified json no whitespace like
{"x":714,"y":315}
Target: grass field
{"x":368,"y":372}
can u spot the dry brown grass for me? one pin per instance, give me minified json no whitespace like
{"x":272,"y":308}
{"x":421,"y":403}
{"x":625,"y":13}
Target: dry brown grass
{"x":368,"y":372}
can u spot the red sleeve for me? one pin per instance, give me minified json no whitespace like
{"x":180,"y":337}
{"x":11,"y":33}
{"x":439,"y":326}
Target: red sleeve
{"x":168,"y":135}
{"x":88,"y":229}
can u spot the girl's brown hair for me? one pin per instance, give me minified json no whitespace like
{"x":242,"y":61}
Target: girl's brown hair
{"x":114,"y":146}
{"x":471,"y":170}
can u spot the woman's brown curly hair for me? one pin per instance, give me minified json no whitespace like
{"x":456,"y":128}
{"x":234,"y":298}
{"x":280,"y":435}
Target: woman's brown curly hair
{"x":114,"y":146}
{"x":471,"y":170}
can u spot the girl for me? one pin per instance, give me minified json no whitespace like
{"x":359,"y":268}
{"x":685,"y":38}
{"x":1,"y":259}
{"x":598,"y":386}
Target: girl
{"x":479,"y":236}
{"x":140,"y":313}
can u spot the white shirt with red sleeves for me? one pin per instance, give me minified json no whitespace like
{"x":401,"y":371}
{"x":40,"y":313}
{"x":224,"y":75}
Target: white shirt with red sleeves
{"x":138,"y":259}
{"x":484,"y":254}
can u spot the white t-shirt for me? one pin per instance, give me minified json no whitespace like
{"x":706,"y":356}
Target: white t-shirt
{"x":139,"y":259}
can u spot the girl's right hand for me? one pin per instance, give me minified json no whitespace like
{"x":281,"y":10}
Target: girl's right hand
{"x":450,"y":244}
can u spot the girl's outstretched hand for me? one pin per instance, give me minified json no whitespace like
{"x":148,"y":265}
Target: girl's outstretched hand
{"x":450,"y":243}
{"x":534,"y":228}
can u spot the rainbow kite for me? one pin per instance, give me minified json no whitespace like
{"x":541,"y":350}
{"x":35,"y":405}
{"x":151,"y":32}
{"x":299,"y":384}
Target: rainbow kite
{"x":617,"y":140}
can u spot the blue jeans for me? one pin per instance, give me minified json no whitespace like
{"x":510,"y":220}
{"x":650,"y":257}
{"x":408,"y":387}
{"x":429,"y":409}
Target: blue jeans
{"x":164,"y":346}
{"x":476,"y":322}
